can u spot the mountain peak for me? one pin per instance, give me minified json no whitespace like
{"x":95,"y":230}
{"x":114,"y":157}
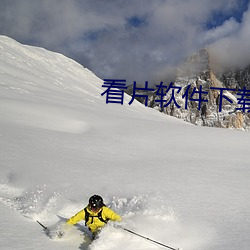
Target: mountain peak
{"x":194,"y":65}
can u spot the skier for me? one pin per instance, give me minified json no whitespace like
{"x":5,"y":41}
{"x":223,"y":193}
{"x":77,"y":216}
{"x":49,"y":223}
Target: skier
{"x":95,"y":214}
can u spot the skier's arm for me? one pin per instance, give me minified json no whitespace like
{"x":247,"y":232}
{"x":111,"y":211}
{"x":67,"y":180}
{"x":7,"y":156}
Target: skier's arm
{"x":110,"y":214}
{"x":77,"y":217}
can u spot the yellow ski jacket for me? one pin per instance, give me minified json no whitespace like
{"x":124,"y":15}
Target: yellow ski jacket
{"x":94,"y":223}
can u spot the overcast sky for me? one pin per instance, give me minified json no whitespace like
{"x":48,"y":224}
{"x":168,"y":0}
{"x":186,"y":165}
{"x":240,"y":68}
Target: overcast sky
{"x":136,"y":40}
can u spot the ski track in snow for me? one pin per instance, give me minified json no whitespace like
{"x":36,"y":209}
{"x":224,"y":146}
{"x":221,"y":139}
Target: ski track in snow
{"x":145,"y":214}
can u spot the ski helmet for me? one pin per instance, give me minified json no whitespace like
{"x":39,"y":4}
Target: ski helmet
{"x":95,"y":202}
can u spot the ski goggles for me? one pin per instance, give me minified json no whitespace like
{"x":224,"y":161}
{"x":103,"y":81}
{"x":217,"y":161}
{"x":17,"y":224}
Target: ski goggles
{"x":94,"y":208}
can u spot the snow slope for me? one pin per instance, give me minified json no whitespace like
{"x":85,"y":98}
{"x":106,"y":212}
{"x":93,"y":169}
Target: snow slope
{"x":179,"y":184}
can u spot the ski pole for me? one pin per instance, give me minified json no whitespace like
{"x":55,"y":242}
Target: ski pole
{"x":146,"y":238}
{"x":45,"y":228}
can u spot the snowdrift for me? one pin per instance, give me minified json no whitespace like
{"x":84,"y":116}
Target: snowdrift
{"x":182,"y":185}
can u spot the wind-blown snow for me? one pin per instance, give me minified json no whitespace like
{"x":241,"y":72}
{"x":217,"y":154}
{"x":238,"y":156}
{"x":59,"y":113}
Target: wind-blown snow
{"x":182,"y":185}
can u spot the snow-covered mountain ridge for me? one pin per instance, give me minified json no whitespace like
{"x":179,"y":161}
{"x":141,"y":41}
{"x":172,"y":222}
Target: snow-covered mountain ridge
{"x":201,"y":70}
{"x":198,"y":70}
{"x":182,"y":185}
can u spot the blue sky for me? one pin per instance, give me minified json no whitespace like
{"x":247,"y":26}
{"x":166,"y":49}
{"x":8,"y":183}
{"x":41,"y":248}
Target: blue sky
{"x":218,"y":17}
{"x":136,"y":40}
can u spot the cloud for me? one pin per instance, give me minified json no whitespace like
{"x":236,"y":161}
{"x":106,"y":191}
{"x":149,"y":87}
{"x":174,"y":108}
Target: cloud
{"x":134,"y":40}
{"x":228,"y":28}
{"x":232,"y":50}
